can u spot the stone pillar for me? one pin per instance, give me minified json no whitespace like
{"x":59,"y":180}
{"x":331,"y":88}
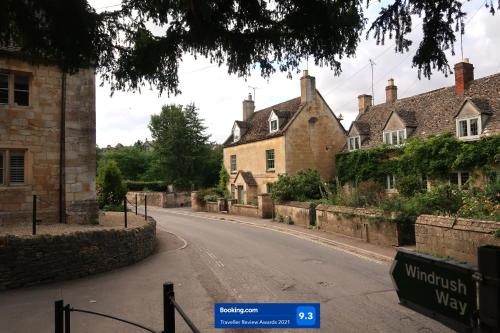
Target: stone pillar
{"x":230,"y":203}
{"x":221,"y":205}
{"x":196,"y":206}
{"x":265,"y":205}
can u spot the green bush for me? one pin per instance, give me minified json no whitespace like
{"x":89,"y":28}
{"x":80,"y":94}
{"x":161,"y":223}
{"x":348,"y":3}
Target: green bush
{"x":110,"y":187}
{"x":209,"y":194}
{"x":478,"y":204}
{"x":369,"y":193}
{"x":152,"y":186}
{"x":304,"y":186}
{"x":492,"y":191}
{"x":112,"y":208}
{"x":409,"y":185}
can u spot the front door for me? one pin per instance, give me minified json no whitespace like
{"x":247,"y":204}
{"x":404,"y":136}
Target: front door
{"x":240,"y":194}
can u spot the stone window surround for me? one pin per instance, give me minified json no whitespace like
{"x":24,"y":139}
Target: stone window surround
{"x":390,"y":183}
{"x":460,"y":175}
{"x":233,"y":164}
{"x":5,"y":152}
{"x":11,"y":87}
{"x":270,"y":160}
{"x":468,"y":122}
{"x":398,"y":137}
{"x":357,"y":142}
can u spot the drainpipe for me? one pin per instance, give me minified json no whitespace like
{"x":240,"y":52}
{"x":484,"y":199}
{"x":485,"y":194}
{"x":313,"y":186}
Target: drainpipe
{"x":62,"y":153}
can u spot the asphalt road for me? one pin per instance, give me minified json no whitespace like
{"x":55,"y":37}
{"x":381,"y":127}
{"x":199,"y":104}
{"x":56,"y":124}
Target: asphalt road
{"x":223,"y":262}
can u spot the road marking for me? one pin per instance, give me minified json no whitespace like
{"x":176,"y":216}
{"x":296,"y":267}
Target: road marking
{"x":185,"y":243}
{"x":349,"y":249}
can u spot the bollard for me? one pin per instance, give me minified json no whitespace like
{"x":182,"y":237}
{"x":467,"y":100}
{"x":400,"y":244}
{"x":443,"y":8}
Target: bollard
{"x":168,"y":308}
{"x":145,"y":207}
{"x":59,"y":316}
{"x":125,"y":210}
{"x":136,"y":204}
{"x":34,"y":215}
{"x":67,"y":319}
{"x":489,"y":288}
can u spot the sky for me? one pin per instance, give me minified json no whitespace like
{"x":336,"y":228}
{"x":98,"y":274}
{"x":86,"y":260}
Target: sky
{"x":124,"y":116}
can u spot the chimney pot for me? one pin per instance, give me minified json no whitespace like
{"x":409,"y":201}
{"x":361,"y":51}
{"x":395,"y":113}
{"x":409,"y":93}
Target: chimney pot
{"x":391,"y":91}
{"x":464,"y":74}
{"x":364,"y":102}
{"x":307,"y":87}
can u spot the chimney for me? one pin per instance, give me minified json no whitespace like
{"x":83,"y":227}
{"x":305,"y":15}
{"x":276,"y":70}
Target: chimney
{"x":248,"y":107}
{"x":307,"y":87}
{"x":464,"y":73}
{"x":391,"y":92}
{"x":364,"y":101}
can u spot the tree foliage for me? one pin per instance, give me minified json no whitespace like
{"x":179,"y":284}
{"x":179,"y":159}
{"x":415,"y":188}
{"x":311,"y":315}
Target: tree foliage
{"x":110,"y":187}
{"x":305,"y":185}
{"x":186,"y":157}
{"x":134,"y":162}
{"x":127,"y":49}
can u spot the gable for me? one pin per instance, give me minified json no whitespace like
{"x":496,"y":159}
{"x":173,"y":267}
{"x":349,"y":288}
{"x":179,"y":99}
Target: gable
{"x":394,"y":123}
{"x":468,"y":110}
{"x":353,"y":131}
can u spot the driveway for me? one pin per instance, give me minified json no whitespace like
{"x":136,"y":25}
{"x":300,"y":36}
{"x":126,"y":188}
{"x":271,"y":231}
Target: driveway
{"x":216,"y":261}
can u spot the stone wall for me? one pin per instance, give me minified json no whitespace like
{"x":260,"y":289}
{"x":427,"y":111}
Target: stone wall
{"x":265,"y":204}
{"x":455,"y":238}
{"x":35,"y":131}
{"x":244,"y":210}
{"x":212,"y":207}
{"x":161,"y":199}
{"x":177,"y":199}
{"x":196,"y":204}
{"x":301,"y":213}
{"x":31,"y":260}
{"x":370,"y":225}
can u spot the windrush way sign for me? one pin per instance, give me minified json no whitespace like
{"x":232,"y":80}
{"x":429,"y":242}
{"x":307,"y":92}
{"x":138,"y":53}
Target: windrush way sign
{"x":438,"y":288}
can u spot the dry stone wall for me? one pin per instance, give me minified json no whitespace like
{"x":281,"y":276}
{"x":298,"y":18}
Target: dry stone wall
{"x":301,"y":213}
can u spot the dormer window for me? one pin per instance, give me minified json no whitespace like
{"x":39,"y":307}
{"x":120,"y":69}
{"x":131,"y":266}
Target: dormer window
{"x":273,"y":122}
{"x":273,"y":125}
{"x":469,"y":128}
{"x":354,"y":143}
{"x":394,"y":138}
{"x":236,"y":133}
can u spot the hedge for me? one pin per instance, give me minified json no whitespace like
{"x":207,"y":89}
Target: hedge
{"x":157,"y":186}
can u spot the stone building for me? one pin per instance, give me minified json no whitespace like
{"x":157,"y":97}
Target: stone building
{"x":36,"y":156}
{"x":302,"y":133}
{"x":470,"y":109}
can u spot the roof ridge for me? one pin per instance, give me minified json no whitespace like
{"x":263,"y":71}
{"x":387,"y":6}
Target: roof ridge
{"x":272,"y":106}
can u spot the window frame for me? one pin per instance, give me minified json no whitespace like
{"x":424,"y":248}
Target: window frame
{"x":271,"y":122}
{"x":269,"y":187}
{"x":2,"y":167}
{"x":460,"y":183}
{"x":7,"y":154}
{"x":13,"y":153}
{"x":357,"y":143}
{"x":233,"y":165}
{"x":390,"y":135}
{"x":268,"y":160}
{"x":8,"y":87}
{"x":390,"y":180}
{"x":467,"y":121}
{"x":14,"y":89}
{"x":11,"y":89}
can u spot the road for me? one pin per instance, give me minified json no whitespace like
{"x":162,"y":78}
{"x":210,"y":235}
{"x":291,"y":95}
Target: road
{"x":217,"y":261}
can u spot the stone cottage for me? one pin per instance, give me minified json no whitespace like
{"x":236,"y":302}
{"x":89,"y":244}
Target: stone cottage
{"x":38,"y":155}
{"x":301,"y":133}
{"x":470,"y":109}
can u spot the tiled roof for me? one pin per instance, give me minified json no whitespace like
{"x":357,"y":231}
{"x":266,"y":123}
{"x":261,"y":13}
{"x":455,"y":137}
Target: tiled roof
{"x":434,"y":112}
{"x":258,"y":127}
{"x":247,"y":177}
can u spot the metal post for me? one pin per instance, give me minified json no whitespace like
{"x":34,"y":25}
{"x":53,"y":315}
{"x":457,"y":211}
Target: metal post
{"x":136,"y":204}
{"x":145,"y":207}
{"x":58,"y":319}
{"x":125,"y":210}
{"x":67,"y":319}
{"x":34,"y":215}
{"x":168,"y":308}
{"x":489,"y":288}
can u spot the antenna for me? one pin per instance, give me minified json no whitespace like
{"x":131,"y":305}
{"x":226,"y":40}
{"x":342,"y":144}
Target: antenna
{"x":461,"y":38}
{"x":372,"y":63}
{"x":254,"y":88}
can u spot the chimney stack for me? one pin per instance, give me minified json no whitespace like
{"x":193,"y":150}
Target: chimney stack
{"x":248,"y":107}
{"x":464,"y":73}
{"x":364,"y":102}
{"x":391,"y":92}
{"x":307,"y":87}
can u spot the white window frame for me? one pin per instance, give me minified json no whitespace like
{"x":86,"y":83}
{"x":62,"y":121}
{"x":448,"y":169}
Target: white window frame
{"x":236,"y":133}
{"x":391,"y":133}
{"x":8,"y":87}
{"x":461,"y":184}
{"x":233,"y":166}
{"x":390,"y":183}
{"x":468,"y":120}
{"x":357,"y":143}
{"x":11,"y":88}
{"x":273,"y":118}
{"x":270,"y":159}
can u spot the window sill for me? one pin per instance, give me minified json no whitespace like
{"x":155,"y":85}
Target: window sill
{"x":16,"y":107}
{"x":270,"y":171}
{"x":234,"y":172}
{"x":469,"y":138}
{"x":4,"y":188}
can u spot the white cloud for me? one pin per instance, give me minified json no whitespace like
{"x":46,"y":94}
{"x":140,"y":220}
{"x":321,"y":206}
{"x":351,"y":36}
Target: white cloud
{"x":124,"y":117}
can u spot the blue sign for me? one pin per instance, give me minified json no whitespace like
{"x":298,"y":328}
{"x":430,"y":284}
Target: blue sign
{"x":267,"y":315}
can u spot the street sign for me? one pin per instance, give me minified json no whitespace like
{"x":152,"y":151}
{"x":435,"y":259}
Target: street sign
{"x":438,"y":288}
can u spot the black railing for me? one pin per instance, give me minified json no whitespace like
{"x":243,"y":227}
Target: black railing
{"x":62,"y":323}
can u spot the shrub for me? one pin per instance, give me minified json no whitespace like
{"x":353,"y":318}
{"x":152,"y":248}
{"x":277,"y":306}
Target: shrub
{"x":153,"y":186}
{"x":477,"y":204}
{"x":369,"y":193}
{"x":492,"y":191}
{"x":305,"y":185}
{"x":112,"y":208}
{"x":110,"y":187}
{"x":209,"y":194}
{"x":409,"y":185}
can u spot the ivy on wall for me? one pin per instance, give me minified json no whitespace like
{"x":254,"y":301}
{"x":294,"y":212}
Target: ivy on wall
{"x":434,"y":157}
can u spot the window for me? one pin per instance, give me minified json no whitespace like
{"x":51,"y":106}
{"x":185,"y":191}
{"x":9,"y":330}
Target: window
{"x":236,"y":134}
{"x":21,"y":90}
{"x":233,"y":163}
{"x":354,"y":143}
{"x":459,"y":178}
{"x":273,"y":125}
{"x":4,"y":88}
{"x":12,"y":165}
{"x":390,"y":183}
{"x":269,"y":187}
{"x":395,"y":137}
{"x":468,"y":128}
{"x":233,"y":191}
{"x":270,"y":159}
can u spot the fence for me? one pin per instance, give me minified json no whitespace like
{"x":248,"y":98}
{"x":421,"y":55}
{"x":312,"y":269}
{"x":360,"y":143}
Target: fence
{"x":62,"y":312}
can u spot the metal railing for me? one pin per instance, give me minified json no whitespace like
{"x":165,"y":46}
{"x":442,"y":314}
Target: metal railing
{"x":62,"y":314}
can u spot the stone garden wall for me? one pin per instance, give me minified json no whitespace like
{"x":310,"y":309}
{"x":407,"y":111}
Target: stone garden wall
{"x":243,"y":210}
{"x":31,"y":260}
{"x":455,"y":238}
{"x":301,"y":213}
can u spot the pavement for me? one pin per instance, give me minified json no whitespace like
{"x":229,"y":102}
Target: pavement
{"x":231,"y":260}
